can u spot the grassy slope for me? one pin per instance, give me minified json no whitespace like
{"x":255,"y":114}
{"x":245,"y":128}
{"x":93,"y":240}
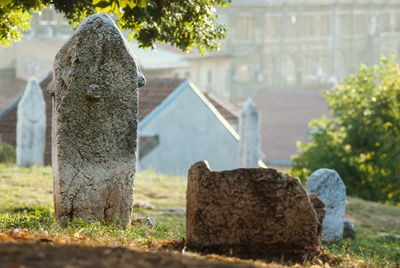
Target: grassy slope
{"x":26,"y":202}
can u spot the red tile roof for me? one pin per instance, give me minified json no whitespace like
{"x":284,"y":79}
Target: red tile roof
{"x":10,"y":92}
{"x":284,"y":120}
{"x":226,"y":109}
{"x":154,"y":92}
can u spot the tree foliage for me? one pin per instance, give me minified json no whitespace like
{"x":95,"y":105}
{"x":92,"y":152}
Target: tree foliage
{"x":182,"y":23}
{"x":362,"y":142}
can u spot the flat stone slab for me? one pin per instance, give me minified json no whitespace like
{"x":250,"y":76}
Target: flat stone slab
{"x":254,"y":211}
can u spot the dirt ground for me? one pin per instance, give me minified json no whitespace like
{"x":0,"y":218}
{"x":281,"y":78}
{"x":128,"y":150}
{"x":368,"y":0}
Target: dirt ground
{"x":42,"y":254}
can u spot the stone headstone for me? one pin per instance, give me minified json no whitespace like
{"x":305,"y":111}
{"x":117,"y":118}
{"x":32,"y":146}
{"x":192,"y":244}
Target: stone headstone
{"x":95,"y":105}
{"x":329,"y":187}
{"x":31,"y":126}
{"x":249,"y":131}
{"x":349,"y":230}
{"x":253,"y":212}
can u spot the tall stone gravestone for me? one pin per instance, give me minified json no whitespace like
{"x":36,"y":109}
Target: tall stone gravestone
{"x":31,"y":126}
{"x":330,"y":189}
{"x":249,"y":131}
{"x":95,"y":103}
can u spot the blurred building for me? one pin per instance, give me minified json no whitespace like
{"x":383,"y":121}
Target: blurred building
{"x":272,"y":44}
{"x":283,"y":53}
{"x":296,"y":45}
{"x":33,"y":55}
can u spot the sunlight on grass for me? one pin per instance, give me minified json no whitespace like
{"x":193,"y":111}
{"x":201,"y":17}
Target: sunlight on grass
{"x":160,"y":190}
{"x":25,"y":185}
{"x":374,"y":217}
{"x":26,"y":204}
{"x":372,"y":249}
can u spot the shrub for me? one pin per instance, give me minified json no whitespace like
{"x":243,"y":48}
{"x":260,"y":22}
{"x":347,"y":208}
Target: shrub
{"x":362,"y":142}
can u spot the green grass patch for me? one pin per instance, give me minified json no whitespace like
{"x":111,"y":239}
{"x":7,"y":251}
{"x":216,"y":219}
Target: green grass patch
{"x":374,"y":218}
{"x":372,"y":249}
{"x":40,"y":220}
{"x":26,"y":204}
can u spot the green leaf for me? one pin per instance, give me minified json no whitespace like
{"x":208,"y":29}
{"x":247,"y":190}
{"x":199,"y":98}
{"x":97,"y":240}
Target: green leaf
{"x":142,"y":3}
{"x":101,"y":3}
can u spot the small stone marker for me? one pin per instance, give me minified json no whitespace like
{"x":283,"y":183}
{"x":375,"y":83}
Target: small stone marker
{"x":256,"y":212}
{"x":349,"y":230}
{"x":95,"y":93}
{"x":31,"y":126}
{"x":329,"y":187}
{"x":249,"y":131}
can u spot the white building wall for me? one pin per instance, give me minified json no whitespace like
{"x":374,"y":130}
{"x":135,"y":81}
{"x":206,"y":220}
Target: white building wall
{"x":189,"y":131}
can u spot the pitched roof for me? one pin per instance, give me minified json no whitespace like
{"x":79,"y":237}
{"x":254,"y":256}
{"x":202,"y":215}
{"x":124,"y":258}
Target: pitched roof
{"x":154,"y":92}
{"x":157,"y":90}
{"x":226,"y":109}
{"x":10,"y":92}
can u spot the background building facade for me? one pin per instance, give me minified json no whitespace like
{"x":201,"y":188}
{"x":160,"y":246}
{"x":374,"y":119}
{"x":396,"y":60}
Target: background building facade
{"x":300,"y":45}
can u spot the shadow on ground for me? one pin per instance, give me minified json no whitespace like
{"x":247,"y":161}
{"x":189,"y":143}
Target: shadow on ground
{"x":46,"y":255}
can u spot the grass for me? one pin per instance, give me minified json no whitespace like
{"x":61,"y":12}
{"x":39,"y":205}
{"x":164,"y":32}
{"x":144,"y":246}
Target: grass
{"x":378,"y":233}
{"x":26,"y":206}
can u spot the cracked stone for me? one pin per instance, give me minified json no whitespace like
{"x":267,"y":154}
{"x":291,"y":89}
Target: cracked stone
{"x":254,"y":211}
{"x":95,"y":95}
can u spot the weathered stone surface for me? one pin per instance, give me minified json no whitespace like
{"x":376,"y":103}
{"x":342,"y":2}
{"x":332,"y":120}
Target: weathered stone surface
{"x":349,"y":230}
{"x":329,"y":187}
{"x":249,"y":131}
{"x":319,"y":208}
{"x":249,"y":211}
{"x":31,"y":126}
{"x":94,"y":124}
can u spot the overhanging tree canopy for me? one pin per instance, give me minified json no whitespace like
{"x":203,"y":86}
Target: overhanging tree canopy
{"x":185,"y":24}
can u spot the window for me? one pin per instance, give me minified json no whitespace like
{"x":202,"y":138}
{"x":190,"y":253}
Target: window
{"x":273,"y":26}
{"x":309,"y":25}
{"x":397,"y":24}
{"x":325,"y":25}
{"x":345,"y":24}
{"x":245,"y":28}
{"x":362,"y":24}
{"x":209,"y":77}
{"x":384,"y":23}
{"x":244,"y":72}
{"x":47,"y":17}
{"x":293,"y":26}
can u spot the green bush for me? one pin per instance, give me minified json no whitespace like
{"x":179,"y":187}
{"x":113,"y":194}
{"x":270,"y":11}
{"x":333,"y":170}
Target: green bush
{"x":7,"y":153}
{"x":362,"y":142}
